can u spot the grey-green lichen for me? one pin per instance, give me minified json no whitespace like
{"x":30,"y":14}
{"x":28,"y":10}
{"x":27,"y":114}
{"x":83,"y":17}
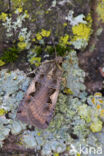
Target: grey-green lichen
{"x":77,"y":116}
{"x":12,"y":87}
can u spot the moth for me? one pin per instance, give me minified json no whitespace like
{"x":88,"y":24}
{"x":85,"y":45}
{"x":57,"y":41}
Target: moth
{"x":37,"y":106}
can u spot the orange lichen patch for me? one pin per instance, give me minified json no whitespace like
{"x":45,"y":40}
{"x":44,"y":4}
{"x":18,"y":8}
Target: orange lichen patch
{"x":98,"y":106}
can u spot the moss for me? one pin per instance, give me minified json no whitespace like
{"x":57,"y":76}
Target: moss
{"x":100,"y":10}
{"x":61,"y":50}
{"x":10,"y":54}
{"x":37,"y":50}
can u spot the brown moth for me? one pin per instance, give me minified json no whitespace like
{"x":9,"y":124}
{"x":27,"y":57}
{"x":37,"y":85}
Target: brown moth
{"x":37,"y":106}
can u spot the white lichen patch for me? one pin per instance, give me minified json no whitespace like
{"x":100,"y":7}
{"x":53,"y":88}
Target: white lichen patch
{"x":75,"y":20}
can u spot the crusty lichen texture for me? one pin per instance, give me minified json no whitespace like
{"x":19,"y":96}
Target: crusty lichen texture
{"x":76,"y":113}
{"x":82,"y":33}
{"x":100,"y":10}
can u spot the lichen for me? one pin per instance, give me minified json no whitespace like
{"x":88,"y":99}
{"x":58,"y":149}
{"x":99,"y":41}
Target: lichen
{"x":9,"y":99}
{"x":19,"y":10}
{"x":22,"y":45}
{"x":15,"y":30}
{"x":38,"y":36}
{"x":21,"y":38}
{"x":64,"y":40}
{"x":75,"y":20}
{"x":3,"y":16}
{"x":18,"y":3}
{"x":76,"y":115}
{"x":2,"y":63}
{"x":45,"y":33}
{"x":35,"y":60}
{"x":100,"y":10}
{"x":82,"y":33}
{"x":2,"y":112}
{"x":96,"y":126}
{"x":85,"y":113}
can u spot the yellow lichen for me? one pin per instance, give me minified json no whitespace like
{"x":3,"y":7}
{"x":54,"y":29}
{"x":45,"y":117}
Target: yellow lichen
{"x":21,"y":38}
{"x":100,"y":10}
{"x":98,"y":94}
{"x":36,"y":61}
{"x":26,"y":14}
{"x":65,"y":24}
{"x":3,"y":16}
{"x":2,"y":63}
{"x":78,"y":154}
{"x":33,"y":39}
{"x":38,"y":133}
{"x":68,"y":91}
{"x":2,"y":112}
{"x":96,"y":126}
{"x":22,"y":45}
{"x":38,"y":36}
{"x":64,"y":40}
{"x":67,"y":148}
{"x":89,"y":20}
{"x":45,"y":33}
{"x":81,"y":31}
{"x":56,"y":154}
{"x":19,"y":10}
{"x":20,"y":141}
